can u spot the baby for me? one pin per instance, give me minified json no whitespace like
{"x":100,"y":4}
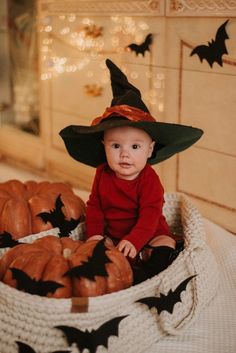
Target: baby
{"x":127,"y":197}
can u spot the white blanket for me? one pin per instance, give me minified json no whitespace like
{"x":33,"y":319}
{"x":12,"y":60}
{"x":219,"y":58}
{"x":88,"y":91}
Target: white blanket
{"x":214,"y":331}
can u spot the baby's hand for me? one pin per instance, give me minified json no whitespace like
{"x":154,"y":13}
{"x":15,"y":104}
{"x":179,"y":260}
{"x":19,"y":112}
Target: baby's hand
{"x":127,"y":248}
{"x":95,"y":237}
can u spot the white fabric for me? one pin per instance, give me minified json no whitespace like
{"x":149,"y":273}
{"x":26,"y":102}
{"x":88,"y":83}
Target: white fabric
{"x":214,"y":331}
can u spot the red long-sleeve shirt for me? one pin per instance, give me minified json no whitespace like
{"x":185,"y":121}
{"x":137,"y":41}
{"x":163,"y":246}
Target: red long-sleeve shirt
{"x":126,"y":209}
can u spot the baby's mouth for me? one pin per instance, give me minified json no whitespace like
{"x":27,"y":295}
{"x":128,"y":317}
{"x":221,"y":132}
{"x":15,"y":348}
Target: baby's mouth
{"x":125,"y":165}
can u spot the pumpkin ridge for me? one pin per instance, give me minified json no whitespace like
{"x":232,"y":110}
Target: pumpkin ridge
{"x":16,"y":188}
{"x":16,"y":209}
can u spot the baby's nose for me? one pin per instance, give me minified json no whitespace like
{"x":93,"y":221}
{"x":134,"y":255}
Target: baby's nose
{"x":124,"y":152}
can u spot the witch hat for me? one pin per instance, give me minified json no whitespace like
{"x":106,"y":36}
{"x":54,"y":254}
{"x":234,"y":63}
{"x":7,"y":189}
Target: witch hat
{"x":84,"y":143}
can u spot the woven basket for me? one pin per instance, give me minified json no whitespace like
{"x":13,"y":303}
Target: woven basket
{"x":32,"y":319}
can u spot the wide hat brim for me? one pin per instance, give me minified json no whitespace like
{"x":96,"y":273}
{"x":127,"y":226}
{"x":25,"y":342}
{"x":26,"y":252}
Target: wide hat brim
{"x":84,"y":143}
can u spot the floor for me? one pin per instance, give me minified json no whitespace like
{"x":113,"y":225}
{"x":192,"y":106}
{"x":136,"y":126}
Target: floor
{"x":9,"y":171}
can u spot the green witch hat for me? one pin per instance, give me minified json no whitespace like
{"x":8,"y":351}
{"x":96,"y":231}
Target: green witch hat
{"x":84,"y":143}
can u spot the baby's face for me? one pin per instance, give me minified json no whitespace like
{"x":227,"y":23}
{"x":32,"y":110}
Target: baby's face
{"x":127,"y":150}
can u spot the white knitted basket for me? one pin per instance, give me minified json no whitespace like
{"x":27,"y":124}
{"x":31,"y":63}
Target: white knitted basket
{"x":32,"y":319}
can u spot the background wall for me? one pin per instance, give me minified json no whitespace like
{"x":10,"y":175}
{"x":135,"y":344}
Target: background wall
{"x":177,"y":87}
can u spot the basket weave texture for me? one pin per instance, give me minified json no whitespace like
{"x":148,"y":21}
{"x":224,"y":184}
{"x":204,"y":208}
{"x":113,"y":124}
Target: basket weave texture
{"x":32,"y":319}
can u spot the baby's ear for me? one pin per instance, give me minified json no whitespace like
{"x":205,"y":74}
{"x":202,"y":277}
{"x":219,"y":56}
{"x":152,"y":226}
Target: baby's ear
{"x":151,"y":147}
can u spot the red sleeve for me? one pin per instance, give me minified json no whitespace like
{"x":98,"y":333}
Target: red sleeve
{"x":150,"y":217}
{"x":94,"y":215}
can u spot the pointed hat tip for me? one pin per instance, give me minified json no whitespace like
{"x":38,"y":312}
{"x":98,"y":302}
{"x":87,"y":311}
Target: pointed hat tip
{"x":123,"y":91}
{"x":113,"y":68}
{"x":109,"y":62}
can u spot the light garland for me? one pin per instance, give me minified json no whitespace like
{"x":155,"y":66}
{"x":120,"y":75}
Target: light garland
{"x":83,"y":35}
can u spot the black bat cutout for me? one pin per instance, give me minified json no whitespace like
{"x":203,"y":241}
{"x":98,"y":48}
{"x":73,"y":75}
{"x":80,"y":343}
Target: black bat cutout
{"x":32,"y":286}
{"x":25,"y":348}
{"x":143,"y":47}
{"x":7,"y":241}
{"x":95,"y":266}
{"x":215,"y":49}
{"x":166,"y":302}
{"x":94,"y":338}
{"x":57,"y":219}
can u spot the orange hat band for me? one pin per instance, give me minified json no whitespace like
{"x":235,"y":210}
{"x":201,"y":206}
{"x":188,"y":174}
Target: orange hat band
{"x":131,"y":113}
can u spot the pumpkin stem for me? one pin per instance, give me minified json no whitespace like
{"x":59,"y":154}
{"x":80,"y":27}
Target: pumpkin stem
{"x":66,"y":253}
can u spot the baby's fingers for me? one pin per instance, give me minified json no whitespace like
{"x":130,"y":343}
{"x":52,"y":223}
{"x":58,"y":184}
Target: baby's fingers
{"x":132,"y":252}
{"x":127,"y":248}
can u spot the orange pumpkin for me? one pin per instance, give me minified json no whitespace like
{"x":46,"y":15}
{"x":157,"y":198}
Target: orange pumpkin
{"x":52,"y":259}
{"x":20,"y":203}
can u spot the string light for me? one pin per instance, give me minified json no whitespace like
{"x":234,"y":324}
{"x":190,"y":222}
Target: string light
{"x":134,"y":75}
{"x":47,"y":28}
{"x":65,"y":30}
{"x":72,"y":18}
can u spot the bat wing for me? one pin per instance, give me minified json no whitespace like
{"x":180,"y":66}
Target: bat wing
{"x":204,"y":52}
{"x":58,"y":206}
{"x":174,"y":297}
{"x":134,"y":47}
{"x":6,"y":240}
{"x":26,"y":283}
{"x":145,"y":46}
{"x":75,"y":335}
{"x":148,"y":41}
{"x":166,"y":302}
{"x":57,"y":216}
{"x":99,"y":254}
{"x":67,"y":226}
{"x":221,"y":37}
{"x":95,"y":266}
{"x":47,"y":217}
{"x":150,"y":302}
{"x":91,"y":340}
{"x":82,"y":270}
{"x":219,"y":43}
{"x":109,"y":328}
{"x":24,"y":348}
{"x":45,"y":287}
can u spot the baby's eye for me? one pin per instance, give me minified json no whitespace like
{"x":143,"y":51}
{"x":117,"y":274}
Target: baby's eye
{"x":135,"y":146}
{"x":115,"y":145}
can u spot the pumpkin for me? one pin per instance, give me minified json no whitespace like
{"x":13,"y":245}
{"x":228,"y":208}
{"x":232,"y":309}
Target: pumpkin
{"x":51,"y":260}
{"x":21,"y":203}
